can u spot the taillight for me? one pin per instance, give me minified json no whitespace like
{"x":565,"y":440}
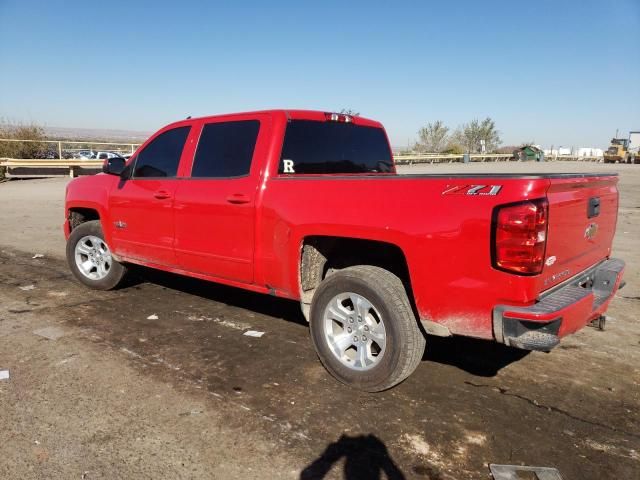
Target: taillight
{"x":520,"y":236}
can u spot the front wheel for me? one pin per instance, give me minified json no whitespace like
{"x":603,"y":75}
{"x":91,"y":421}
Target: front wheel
{"x":90,"y":258}
{"x":364,"y":330}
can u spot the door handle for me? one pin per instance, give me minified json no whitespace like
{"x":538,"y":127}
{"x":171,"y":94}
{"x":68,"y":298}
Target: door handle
{"x":238,"y":198}
{"x":162,"y":195}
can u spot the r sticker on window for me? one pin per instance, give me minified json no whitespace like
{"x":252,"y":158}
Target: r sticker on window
{"x":288,"y":166}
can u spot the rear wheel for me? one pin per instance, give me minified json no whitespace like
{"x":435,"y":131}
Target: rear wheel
{"x":364,"y":330}
{"x":90,"y":257}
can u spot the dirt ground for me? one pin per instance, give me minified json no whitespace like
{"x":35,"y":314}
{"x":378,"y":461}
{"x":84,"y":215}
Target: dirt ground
{"x":157,"y":380}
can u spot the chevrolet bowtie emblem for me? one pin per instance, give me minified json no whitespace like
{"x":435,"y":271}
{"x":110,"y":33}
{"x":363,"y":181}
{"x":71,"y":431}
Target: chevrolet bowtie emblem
{"x":591,"y":231}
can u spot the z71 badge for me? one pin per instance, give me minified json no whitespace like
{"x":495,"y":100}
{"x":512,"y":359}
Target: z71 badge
{"x":472,"y":190}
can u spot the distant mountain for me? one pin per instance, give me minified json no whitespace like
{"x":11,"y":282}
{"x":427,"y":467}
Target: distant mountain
{"x":124,"y":136}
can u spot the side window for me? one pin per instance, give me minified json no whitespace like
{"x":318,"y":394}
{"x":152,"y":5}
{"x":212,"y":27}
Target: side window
{"x":161,"y":157}
{"x":225,"y":149}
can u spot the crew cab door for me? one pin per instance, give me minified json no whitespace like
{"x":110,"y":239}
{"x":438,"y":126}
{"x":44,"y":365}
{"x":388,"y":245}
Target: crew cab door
{"x":215,"y":207}
{"x":141,"y":206}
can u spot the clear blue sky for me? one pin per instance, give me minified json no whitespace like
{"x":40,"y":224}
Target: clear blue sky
{"x":556,"y":72}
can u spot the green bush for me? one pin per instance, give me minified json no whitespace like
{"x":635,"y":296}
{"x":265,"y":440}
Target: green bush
{"x":32,"y":149}
{"x":454,"y":149}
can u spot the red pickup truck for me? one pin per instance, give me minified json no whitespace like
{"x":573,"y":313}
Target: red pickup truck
{"x":308,"y":206}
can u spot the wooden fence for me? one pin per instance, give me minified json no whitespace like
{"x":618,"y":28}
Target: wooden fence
{"x":410,"y":159}
{"x":27,"y":167}
{"x":71,"y":146}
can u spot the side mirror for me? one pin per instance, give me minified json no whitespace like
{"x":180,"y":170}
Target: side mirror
{"x":114,"y":166}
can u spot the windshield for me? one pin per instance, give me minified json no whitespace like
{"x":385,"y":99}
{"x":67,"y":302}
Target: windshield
{"x":332,"y":147}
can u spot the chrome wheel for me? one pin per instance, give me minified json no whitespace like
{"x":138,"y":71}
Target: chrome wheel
{"x":93,"y":257}
{"x":354,"y":331}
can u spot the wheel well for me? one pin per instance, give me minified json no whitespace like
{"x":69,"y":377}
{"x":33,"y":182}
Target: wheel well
{"x":81,"y":215}
{"x":321,"y":256}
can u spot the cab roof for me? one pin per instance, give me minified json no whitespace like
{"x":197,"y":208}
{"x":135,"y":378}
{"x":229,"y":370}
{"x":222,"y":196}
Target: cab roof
{"x":296,"y":114}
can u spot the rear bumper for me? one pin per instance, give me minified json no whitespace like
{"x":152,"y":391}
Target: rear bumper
{"x":560,"y":311}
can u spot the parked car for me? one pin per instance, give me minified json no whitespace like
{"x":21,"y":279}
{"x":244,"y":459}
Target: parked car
{"x":50,"y":152}
{"x":107,"y":155}
{"x":308,"y":206}
{"x":93,"y":155}
{"x":84,"y":154}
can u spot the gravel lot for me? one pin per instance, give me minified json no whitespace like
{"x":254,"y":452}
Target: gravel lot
{"x":123,"y":394}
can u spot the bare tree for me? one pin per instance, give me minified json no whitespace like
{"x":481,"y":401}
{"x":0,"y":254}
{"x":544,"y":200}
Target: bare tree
{"x":433,"y":138}
{"x":470,"y":135}
{"x":490,"y":134}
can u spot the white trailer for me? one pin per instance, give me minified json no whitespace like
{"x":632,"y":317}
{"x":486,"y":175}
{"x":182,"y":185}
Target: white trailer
{"x":634,"y":142}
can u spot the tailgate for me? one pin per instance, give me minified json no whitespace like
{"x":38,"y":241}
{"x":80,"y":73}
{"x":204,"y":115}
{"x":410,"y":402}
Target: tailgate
{"x":582,"y":221}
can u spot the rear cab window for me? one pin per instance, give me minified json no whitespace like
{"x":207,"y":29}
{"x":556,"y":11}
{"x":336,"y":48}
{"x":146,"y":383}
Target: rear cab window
{"x":317,"y":147}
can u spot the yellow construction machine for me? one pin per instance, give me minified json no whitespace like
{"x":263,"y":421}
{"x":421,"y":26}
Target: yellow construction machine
{"x":618,"y":151}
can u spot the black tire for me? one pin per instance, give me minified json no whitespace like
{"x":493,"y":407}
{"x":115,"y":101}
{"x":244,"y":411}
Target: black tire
{"x":116,"y":271}
{"x":405,"y":342}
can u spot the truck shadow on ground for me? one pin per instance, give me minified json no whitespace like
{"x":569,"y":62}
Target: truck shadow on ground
{"x":288,"y":310}
{"x":482,"y":358}
{"x":365,"y":457}
{"x":478,"y":357}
